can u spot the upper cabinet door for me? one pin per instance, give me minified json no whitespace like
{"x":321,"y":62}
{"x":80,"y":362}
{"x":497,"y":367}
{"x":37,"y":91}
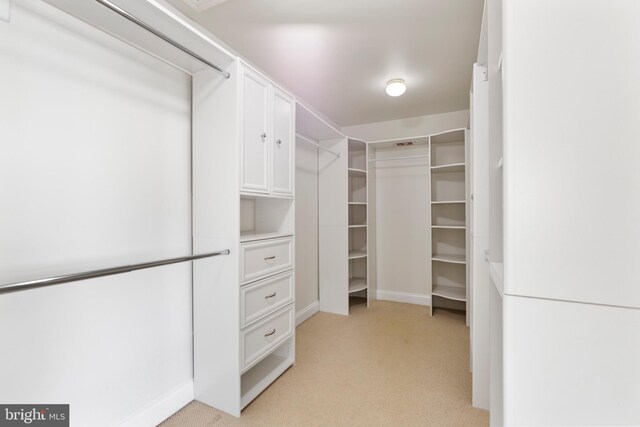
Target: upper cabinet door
{"x":283,"y":110}
{"x":255,"y":133}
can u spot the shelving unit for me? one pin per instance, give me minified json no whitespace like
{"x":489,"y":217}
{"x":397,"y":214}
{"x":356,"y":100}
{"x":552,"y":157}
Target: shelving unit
{"x":357,"y":167}
{"x":449,"y":233}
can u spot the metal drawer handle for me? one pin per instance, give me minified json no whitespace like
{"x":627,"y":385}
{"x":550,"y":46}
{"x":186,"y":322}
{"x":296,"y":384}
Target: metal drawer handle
{"x":263,"y":136}
{"x":270,"y":257}
{"x":270,"y":333}
{"x":270,"y":296}
{"x":278,"y":142}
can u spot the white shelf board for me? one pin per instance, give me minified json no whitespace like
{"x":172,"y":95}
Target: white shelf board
{"x":496,"y":272}
{"x":454,"y":259}
{"x":447,"y":202}
{"x":357,"y":226}
{"x":357,"y":254}
{"x":450,"y":227}
{"x":250,"y":236}
{"x":450,"y":292}
{"x":357,"y":285}
{"x":357,"y":203}
{"x":250,"y":195}
{"x":357,"y":172}
{"x":453,"y":167}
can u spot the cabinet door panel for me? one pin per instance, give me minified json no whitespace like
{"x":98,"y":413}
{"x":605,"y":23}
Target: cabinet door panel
{"x":284,"y":142}
{"x":255,"y":137}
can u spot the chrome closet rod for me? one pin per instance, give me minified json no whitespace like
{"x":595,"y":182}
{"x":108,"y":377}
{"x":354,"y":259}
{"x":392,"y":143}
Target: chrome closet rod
{"x":157,"y":33}
{"x":399,"y":158}
{"x":39,"y":283}
{"x":312,"y":142}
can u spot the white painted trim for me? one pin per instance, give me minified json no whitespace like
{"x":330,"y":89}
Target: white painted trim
{"x":307,"y":312}
{"x":162,"y":408}
{"x":417,"y":299}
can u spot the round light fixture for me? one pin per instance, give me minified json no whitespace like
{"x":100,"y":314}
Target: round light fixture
{"x":396,"y":87}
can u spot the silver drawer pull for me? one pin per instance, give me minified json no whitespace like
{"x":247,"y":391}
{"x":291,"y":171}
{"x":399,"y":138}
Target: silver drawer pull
{"x":270,"y":257}
{"x":263,"y":136}
{"x":270,"y":333}
{"x":278,"y":142}
{"x":270,"y":296}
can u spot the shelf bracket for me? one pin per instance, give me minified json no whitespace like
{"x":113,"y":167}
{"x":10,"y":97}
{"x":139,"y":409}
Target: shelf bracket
{"x":5,"y":10}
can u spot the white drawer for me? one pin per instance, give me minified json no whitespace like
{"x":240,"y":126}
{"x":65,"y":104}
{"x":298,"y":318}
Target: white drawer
{"x":264,"y":297}
{"x":260,"y":259}
{"x":258,"y":339}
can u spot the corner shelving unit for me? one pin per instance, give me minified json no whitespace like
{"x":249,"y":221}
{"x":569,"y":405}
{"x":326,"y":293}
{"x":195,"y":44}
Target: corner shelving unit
{"x":449,"y":233}
{"x":357,"y":168}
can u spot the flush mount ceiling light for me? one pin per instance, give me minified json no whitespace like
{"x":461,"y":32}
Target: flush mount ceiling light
{"x":396,"y":87}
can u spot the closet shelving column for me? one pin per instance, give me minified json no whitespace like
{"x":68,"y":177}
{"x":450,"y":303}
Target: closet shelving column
{"x":448,"y":220}
{"x":357,"y":168}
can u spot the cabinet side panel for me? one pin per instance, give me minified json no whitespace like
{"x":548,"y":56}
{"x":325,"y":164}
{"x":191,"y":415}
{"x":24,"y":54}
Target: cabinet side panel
{"x":216,"y":224}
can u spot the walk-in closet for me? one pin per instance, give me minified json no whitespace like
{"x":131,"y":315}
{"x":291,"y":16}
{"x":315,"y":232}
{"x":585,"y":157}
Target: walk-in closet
{"x":319,"y":213}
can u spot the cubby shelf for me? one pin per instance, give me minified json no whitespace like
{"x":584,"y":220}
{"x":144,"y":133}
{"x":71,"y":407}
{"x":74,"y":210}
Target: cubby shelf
{"x":453,"y":259}
{"x":357,"y":225}
{"x":354,"y":254}
{"x":356,"y":172}
{"x":450,"y":227}
{"x":450,"y":292}
{"x":357,"y":285}
{"x":452,"y":167}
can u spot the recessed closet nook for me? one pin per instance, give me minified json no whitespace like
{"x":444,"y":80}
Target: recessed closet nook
{"x":272,"y":212}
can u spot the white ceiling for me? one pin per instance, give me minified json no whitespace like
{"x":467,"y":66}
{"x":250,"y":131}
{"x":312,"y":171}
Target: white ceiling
{"x":337,"y":55}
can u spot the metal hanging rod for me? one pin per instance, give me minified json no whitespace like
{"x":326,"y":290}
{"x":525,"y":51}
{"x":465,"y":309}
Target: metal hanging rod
{"x":157,"y":33}
{"x":399,"y":158}
{"x":315,"y":143}
{"x":39,"y":283}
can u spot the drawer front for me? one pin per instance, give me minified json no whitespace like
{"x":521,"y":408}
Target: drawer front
{"x":260,"y":259}
{"x":265,"y":296}
{"x":261,"y":337}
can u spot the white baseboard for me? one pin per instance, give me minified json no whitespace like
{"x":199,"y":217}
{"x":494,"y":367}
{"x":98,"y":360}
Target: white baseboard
{"x":158,"y":411}
{"x":307,"y":312}
{"x":417,"y":299}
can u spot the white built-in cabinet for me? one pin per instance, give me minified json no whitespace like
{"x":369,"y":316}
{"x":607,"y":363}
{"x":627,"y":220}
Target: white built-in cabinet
{"x":267,"y":135}
{"x":244,"y":320}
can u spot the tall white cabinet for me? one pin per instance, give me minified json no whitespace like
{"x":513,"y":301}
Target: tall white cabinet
{"x":267,"y":135}
{"x":244,"y":326}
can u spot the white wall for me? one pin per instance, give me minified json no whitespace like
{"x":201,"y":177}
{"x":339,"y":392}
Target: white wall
{"x":95,"y":162}
{"x":409,"y":127}
{"x":306,"y":228}
{"x":402,"y":226}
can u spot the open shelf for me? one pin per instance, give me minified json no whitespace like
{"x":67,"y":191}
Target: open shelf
{"x":450,"y":292}
{"x":354,"y":254}
{"x":357,"y":172}
{"x":358,"y":203}
{"x":448,"y":215}
{"x":357,"y":225}
{"x":449,"y":227}
{"x":452,"y":167}
{"x":265,"y":218}
{"x":258,"y":378}
{"x":357,"y":285}
{"x":453,"y":259}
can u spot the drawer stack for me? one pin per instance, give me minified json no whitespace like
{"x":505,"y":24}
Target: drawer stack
{"x":266,"y":299}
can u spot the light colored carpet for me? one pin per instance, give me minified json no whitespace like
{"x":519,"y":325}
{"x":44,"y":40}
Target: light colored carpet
{"x":389,"y":365}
